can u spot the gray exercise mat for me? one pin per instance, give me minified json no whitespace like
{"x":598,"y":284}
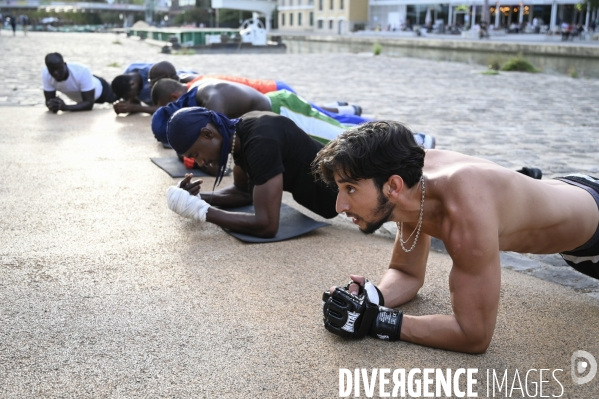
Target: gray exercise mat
{"x":292,"y":223}
{"x":175,"y":168}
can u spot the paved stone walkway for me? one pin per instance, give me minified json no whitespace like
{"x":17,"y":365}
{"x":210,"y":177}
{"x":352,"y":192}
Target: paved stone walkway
{"x":104,"y":292}
{"x":514,"y":119}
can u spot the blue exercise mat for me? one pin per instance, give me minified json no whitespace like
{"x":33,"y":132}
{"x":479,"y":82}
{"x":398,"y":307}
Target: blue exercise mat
{"x":175,"y":168}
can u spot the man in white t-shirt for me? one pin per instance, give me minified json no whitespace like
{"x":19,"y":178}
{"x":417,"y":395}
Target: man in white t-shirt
{"x":76,"y":82}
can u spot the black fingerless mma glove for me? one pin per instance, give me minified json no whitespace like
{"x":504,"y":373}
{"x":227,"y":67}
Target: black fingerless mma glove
{"x":355,"y":316}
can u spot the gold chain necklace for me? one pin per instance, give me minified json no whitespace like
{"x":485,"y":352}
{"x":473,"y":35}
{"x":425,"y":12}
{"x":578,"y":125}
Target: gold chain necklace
{"x":418,"y":226}
{"x":231,"y":161}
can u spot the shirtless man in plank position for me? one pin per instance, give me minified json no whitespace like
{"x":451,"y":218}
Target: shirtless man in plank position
{"x":235,"y":99}
{"x":476,"y":207}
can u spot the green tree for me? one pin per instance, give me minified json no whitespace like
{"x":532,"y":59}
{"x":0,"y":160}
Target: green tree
{"x":594,"y":4}
{"x":232,"y":18}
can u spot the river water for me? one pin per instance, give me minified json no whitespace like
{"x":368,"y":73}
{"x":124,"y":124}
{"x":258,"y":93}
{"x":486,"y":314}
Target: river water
{"x":582,"y":67}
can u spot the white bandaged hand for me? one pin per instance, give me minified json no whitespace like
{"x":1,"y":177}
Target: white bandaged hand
{"x":185,"y":204}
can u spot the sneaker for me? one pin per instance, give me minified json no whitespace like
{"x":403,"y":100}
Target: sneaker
{"x":426,"y":141}
{"x":345,"y":108}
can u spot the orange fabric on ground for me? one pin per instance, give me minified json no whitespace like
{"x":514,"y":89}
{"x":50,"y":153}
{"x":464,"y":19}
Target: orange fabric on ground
{"x":263,"y":86}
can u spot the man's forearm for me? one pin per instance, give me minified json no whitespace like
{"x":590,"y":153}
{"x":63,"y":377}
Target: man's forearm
{"x":230,"y":196}
{"x":246,"y":223}
{"x":149,"y":109}
{"x":398,"y":288}
{"x":264,"y":222}
{"x":82,"y":106}
{"x":437,"y":331}
{"x":443,"y":332}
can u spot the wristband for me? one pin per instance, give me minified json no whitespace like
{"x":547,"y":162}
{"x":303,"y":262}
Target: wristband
{"x":186,"y":205}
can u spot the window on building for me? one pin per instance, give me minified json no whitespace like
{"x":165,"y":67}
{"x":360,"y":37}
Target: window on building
{"x":299,"y":19}
{"x":332,"y":5}
{"x":330,"y":24}
{"x":282,"y":19}
{"x":320,"y":24}
{"x":311,"y":18}
{"x":290,"y":19}
{"x":290,"y":2}
{"x":282,"y":2}
{"x":320,"y":5}
{"x":341,"y":4}
{"x":299,"y":2}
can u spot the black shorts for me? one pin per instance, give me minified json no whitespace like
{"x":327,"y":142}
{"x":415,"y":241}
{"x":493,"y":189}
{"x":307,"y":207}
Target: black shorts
{"x":585,"y":258}
{"x":107,"y":95}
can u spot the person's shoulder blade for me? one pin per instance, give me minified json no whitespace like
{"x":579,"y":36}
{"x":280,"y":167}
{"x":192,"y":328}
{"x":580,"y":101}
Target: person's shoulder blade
{"x":78,"y":69}
{"x":82,"y":75}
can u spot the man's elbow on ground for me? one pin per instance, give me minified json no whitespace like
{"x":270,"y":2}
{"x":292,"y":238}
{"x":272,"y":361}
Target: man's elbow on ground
{"x":266,"y":230}
{"x":478,"y":348}
{"x":478,"y":345}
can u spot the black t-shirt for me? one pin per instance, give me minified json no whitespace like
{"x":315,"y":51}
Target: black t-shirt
{"x":272,"y":144}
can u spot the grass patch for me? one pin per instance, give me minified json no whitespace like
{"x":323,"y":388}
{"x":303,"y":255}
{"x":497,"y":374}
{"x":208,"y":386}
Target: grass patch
{"x":573,"y":73}
{"x":114,"y":65}
{"x":519,"y":64}
{"x":377,"y":49}
{"x":490,"y":72}
{"x":117,"y":41}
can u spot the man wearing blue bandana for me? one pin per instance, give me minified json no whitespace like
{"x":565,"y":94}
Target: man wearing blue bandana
{"x":271,"y":155}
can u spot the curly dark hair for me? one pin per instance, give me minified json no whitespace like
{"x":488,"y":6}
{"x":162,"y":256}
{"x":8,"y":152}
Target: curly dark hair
{"x":121,"y":86}
{"x":374,"y":150}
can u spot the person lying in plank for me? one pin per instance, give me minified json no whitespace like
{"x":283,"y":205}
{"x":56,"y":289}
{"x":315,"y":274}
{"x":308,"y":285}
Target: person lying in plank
{"x":271,"y":155}
{"x":234,"y":99}
{"x":476,"y":207}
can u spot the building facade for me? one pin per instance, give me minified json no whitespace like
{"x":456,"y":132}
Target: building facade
{"x":397,"y":14}
{"x":296,"y":14}
{"x":326,"y":16}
